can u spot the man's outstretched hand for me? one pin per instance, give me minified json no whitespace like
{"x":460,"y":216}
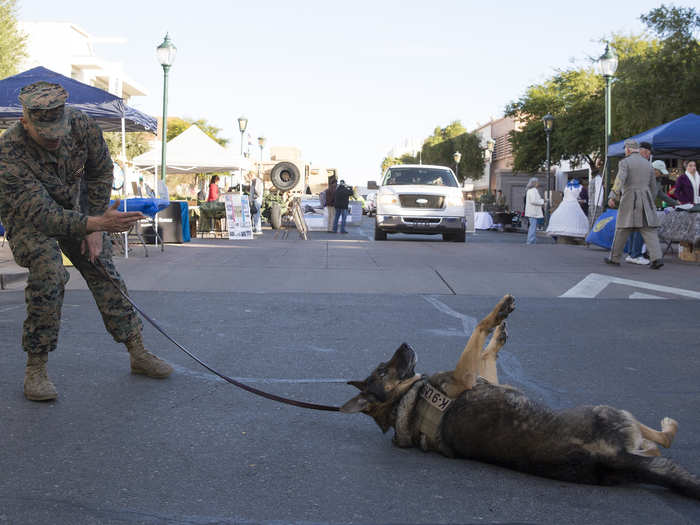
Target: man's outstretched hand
{"x":113,"y":221}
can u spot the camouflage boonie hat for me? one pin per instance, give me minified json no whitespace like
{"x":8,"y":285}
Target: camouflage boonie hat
{"x":45,"y":104}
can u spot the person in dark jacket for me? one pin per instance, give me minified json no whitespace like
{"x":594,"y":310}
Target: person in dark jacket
{"x":342,"y":199}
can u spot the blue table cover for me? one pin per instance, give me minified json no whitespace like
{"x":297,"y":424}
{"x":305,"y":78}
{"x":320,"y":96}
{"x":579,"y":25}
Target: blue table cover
{"x":146,"y":206}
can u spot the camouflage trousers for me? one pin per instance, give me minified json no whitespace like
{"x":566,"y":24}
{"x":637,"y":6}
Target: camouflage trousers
{"x":46,"y":284}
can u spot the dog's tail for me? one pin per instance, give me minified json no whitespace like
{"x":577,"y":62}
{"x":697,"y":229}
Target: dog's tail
{"x":659,"y":471}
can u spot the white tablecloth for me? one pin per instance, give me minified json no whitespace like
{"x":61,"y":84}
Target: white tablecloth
{"x":483,"y":220}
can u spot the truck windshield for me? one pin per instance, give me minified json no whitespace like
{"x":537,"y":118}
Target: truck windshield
{"x":423,"y":176}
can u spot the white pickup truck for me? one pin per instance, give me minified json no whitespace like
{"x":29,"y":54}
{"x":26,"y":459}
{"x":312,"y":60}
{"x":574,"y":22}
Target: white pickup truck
{"x":415,"y":198}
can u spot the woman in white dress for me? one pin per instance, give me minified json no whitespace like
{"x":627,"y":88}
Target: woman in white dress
{"x":568,"y":219}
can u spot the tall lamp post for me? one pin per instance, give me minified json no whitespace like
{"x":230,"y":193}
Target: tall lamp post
{"x":166,"y":56}
{"x":261,"y":143}
{"x":457,"y":156}
{"x":548,"y":121}
{"x":488,"y":155}
{"x":242,"y":125}
{"x":608,"y":66}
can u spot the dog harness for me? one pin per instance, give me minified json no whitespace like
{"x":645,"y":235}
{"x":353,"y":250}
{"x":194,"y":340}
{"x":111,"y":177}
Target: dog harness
{"x":430,"y":407}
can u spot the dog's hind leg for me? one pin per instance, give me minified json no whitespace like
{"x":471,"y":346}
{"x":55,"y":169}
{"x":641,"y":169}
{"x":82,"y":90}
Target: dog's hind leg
{"x":669,"y":427}
{"x":487,"y":365}
{"x":467,"y":370}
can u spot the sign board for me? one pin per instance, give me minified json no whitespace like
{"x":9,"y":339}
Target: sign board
{"x":238,"y":220}
{"x":469,"y":215}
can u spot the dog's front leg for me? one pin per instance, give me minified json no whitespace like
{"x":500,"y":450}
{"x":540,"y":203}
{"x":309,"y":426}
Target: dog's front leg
{"x":468,"y":366}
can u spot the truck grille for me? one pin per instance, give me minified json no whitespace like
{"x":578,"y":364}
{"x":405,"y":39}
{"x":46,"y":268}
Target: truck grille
{"x":422,"y":201}
{"x":423,"y":220}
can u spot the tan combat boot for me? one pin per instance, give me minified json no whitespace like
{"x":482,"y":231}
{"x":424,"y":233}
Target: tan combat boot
{"x":37,"y":385}
{"x":144,"y":362}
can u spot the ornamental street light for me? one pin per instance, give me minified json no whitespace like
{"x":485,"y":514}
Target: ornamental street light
{"x":457,"y":156}
{"x":548,"y":121}
{"x":608,"y":66}
{"x":261,"y":143}
{"x":166,"y":56}
{"x":242,"y":125}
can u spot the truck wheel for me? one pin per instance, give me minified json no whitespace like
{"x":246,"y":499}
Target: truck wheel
{"x":379,"y":235}
{"x":276,"y":216}
{"x":285,"y":176}
{"x":447,"y":237}
{"x":460,"y":236}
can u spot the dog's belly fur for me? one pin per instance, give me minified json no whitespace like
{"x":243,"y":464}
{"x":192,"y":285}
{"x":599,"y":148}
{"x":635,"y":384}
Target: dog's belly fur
{"x":501,"y":425}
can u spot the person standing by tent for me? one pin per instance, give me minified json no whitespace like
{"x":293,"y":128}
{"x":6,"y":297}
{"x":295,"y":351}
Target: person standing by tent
{"x":687,"y":188}
{"x":256,"y":194}
{"x":637,"y":211}
{"x":330,"y":201}
{"x":213,"y":189}
{"x":43,"y":159}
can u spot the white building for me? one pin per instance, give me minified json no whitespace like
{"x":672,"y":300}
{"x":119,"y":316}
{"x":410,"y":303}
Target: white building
{"x":67,"y":49}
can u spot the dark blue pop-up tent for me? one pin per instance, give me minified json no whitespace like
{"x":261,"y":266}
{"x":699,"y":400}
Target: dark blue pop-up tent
{"x":107,"y":109}
{"x":679,"y":138}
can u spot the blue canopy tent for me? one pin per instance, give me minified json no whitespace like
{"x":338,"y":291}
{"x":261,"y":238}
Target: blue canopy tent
{"x":679,"y":138}
{"x":108,"y":110}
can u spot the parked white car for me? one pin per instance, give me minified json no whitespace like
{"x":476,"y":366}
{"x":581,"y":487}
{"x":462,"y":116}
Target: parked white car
{"x":417,"y":198}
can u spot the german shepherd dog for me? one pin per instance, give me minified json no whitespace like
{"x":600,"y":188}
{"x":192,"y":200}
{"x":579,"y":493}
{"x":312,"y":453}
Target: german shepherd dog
{"x":465,"y":413}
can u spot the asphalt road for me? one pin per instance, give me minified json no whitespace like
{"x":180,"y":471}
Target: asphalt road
{"x":192,"y":449}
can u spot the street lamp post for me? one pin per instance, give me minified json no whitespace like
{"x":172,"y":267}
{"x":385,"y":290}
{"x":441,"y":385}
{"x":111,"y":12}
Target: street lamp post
{"x":488,"y":155}
{"x":548,"y":121}
{"x":242,"y":125}
{"x":608,"y":66}
{"x":261,"y":143}
{"x":457,"y":156}
{"x":166,"y":56}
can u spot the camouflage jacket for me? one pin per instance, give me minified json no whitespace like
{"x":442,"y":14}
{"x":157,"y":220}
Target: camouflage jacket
{"x":41,"y":189}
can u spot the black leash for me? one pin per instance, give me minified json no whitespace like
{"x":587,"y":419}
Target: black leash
{"x":252,"y":390}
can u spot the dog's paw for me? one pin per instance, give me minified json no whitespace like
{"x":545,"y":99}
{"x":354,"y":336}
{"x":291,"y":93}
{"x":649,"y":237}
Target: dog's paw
{"x":501,"y":333}
{"x":669,"y":425}
{"x":505,"y":307}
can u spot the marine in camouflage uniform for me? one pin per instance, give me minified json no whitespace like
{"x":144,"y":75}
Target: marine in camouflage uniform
{"x":55,"y":179}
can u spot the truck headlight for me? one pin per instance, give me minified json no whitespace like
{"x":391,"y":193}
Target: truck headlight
{"x":454,"y":200}
{"x":388,"y":199}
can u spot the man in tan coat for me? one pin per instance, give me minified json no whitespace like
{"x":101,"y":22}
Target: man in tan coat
{"x":637,"y":211}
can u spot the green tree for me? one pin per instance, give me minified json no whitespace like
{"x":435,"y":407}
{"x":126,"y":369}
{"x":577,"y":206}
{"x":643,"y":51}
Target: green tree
{"x":177,"y":125}
{"x":136,"y":143}
{"x":406,"y":158}
{"x":656,"y":81}
{"x":441,"y":146}
{"x":12,"y":40}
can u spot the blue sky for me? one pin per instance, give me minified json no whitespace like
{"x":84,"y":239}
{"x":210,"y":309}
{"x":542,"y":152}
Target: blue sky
{"x":344,"y":81}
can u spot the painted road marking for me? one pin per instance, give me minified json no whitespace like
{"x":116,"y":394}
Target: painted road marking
{"x":640,"y":295}
{"x":594,"y":283}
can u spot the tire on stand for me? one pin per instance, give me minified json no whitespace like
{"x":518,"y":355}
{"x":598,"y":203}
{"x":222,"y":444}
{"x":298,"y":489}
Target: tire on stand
{"x":285,"y":176}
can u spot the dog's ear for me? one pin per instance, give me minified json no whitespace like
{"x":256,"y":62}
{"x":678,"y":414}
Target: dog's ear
{"x":360,"y":385}
{"x":355,"y":405}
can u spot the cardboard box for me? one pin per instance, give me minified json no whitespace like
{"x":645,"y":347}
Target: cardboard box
{"x":686,"y":252}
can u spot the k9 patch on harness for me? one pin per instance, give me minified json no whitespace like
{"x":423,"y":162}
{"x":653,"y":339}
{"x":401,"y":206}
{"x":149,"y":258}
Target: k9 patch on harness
{"x":435,"y":397}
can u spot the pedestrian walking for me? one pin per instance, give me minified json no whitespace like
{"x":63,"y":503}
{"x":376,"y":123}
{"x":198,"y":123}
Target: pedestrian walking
{"x":55,"y":184}
{"x":342,"y":200}
{"x":637,"y":211}
{"x":533,"y":209}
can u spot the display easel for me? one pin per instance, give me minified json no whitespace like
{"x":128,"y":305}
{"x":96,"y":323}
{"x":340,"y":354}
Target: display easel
{"x":298,"y":216}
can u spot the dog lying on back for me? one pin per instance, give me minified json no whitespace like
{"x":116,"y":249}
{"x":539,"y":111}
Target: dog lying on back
{"x":465,"y":413}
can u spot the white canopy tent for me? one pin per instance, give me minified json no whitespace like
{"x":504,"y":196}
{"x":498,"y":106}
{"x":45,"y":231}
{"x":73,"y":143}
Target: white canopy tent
{"x":193,"y":151}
